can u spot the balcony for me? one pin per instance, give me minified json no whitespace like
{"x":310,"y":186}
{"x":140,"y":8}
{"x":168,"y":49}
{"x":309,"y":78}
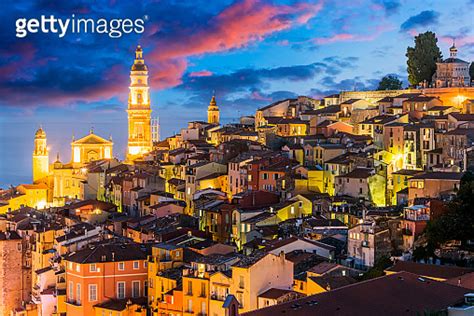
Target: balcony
{"x":74,"y":302}
{"x":217,"y":297}
{"x":417,"y":217}
{"x":407,"y":232}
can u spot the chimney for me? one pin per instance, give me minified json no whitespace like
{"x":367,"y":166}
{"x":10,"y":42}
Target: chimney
{"x":282,"y":255}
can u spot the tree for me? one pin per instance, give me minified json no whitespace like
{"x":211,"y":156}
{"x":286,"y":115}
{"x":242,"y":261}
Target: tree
{"x":390,"y":82}
{"x":421,"y":59}
{"x":378,"y":269}
{"x":458,"y":222}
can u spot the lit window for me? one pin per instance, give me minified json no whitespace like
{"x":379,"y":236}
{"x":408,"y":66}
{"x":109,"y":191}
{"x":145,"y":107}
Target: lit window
{"x":78,"y":293}
{"x":120,"y":290}
{"x":135,"y":288}
{"x":71,"y":291}
{"x":92,"y":292}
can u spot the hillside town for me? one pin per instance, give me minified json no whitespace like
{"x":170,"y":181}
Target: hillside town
{"x":308,"y":206}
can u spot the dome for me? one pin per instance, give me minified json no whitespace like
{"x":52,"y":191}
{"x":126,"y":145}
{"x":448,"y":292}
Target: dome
{"x":40,"y":133}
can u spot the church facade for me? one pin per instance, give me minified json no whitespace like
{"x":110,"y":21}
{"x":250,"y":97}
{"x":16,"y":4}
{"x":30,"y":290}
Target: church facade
{"x":65,"y":180}
{"x":452,"y":72}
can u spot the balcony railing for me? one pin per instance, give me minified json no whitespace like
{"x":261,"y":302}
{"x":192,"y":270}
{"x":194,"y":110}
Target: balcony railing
{"x":218,"y":297}
{"x":74,"y":302}
{"x":417,"y":217}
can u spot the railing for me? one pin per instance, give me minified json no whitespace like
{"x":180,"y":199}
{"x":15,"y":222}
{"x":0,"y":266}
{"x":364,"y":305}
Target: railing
{"x":218,"y":297}
{"x":74,"y":302}
{"x":418,"y":217}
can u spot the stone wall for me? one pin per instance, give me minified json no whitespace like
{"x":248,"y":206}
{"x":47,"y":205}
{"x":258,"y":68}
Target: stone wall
{"x":10,"y":275}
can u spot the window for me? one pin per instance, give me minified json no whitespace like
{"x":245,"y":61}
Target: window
{"x":190,"y":288}
{"x":136,"y":265}
{"x":265,"y":176}
{"x":240,"y":298}
{"x":78,"y":268}
{"x":121,"y":266}
{"x":120,"y":290}
{"x":203,"y":308}
{"x":241,"y":281}
{"x":92,"y":292}
{"x":71,"y":291}
{"x":203,"y":289}
{"x":135,"y":288}
{"x":78,"y":293}
{"x":145,"y":264}
{"x":92,"y":267}
{"x":190,"y":306}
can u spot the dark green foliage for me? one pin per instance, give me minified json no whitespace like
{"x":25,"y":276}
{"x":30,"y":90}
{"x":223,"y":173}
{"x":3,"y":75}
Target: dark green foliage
{"x":421,"y":59}
{"x":390,"y":82}
{"x":378,"y":269}
{"x":458,"y":222}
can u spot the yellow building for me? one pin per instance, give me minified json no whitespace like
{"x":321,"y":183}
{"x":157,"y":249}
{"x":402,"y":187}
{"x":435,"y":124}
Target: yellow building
{"x":250,"y":279}
{"x":220,"y":283}
{"x":40,"y":157}
{"x":32,"y":195}
{"x":91,"y":147}
{"x":195,"y":293}
{"x":139,"y":111}
{"x":213,"y":112}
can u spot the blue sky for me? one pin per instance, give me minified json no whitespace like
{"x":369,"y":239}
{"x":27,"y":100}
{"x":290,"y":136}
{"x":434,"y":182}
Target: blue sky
{"x":250,"y":52}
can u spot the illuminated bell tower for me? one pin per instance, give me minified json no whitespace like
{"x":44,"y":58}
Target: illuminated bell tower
{"x":139,"y":111}
{"x":40,"y":157}
{"x":213,"y":112}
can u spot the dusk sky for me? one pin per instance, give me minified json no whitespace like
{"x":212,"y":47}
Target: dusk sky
{"x":250,"y":52}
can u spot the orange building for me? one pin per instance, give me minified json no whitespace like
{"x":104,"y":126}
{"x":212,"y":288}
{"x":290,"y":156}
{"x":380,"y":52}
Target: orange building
{"x":102,"y":273}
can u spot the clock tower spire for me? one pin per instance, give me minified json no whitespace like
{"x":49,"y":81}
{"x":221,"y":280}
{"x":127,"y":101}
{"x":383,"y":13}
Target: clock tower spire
{"x":139,"y":109}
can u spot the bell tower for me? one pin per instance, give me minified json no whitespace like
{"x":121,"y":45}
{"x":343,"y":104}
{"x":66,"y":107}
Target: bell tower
{"x":139,"y":111}
{"x":40,"y":157}
{"x":213,"y":112}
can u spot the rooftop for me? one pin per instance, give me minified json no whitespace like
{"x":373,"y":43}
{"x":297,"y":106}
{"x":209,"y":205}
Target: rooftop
{"x":402,"y":293}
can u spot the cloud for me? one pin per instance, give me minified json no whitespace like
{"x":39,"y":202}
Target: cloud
{"x":248,"y":88}
{"x":202,"y":73}
{"x":423,"y":19}
{"x":463,"y":37}
{"x":235,"y":27}
{"x":390,"y":7}
{"x":44,"y":70}
{"x":350,"y":37}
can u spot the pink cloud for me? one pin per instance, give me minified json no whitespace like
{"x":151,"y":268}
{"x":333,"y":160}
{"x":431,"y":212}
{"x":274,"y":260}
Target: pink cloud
{"x":348,"y":37}
{"x":202,"y":73}
{"x":236,"y":26}
{"x":460,"y":41}
{"x":258,"y":96}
